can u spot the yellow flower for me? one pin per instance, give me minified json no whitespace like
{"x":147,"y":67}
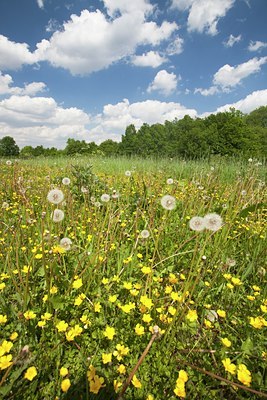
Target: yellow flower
{"x":256,"y":322}
{"x":127,"y":285}
{"x":96,"y":384}
{"x":236,"y":281}
{"x":77,"y":283}
{"x":73,"y":332}
{"x":63,"y":371}
{"x":243,"y":374}
{"x":139,"y":330}
{"x":65,"y":385}
{"x":172,"y":278}
{"x":3,"y":319}
{"x":29,"y":315}
{"x":146,"y":270}
{"x":53,"y":290}
{"x":106,"y":358}
{"x":171,"y":310}
{"x":147,"y":318}
{"x":46,"y":316}
{"x":226,"y":342}
{"x":127,"y":307}
{"x":168,"y":289}
{"x":112,"y":298}
{"x":221,"y":313}
{"x":179,"y":389}
{"x":183,"y":375}
{"x":62,"y":326}
{"x":30,"y":374}
{"x":109,"y":332}
{"x":121,"y":369}
{"x":5,"y":347}
{"x":136,"y":382}
{"x":13,"y":336}
{"x":97,"y":307}
{"x":41,"y":324}
{"x":191,"y":315}
{"x":120,"y":351}
{"x":116,"y":385}
{"x":79,"y":299}
{"x":5,"y":361}
{"x":146,"y":301}
{"x":228,"y":366}
{"x":105,"y":281}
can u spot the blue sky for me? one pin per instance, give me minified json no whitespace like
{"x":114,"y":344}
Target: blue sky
{"x":87,"y":69}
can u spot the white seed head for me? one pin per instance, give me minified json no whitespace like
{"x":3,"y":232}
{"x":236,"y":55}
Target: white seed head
{"x":57,"y":215}
{"x":55,"y":196}
{"x":66,"y":181}
{"x":197,"y":223}
{"x":213,"y":221}
{"x":168,"y":202}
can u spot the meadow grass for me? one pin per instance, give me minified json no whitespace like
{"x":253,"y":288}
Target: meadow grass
{"x":123,"y":298}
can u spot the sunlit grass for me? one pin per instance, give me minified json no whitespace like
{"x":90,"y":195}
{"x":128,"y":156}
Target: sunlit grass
{"x":80,"y":297}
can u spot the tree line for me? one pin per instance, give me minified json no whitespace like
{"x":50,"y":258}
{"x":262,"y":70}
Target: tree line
{"x":228,"y":133}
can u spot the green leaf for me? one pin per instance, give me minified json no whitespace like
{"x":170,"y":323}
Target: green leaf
{"x":247,"y":346}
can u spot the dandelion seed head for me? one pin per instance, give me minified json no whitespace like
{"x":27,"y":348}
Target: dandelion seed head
{"x":169,"y":181}
{"x":57,"y":215}
{"x":128,"y":173}
{"x":213,"y":222}
{"x":144,"y":234}
{"x":105,"y":198}
{"x":168,"y":202}
{"x":65,"y":243}
{"x":55,"y":196}
{"x":84,"y":189}
{"x":8,"y":162}
{"x":211,"y":315}
{"x":66,"y":181}
{"x":197,"y":223}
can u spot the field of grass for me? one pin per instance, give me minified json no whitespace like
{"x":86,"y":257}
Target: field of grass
{"x":111,"y":290}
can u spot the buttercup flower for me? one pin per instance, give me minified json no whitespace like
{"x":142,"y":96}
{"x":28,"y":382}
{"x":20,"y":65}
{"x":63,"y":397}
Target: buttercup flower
{"x":30,"y":374}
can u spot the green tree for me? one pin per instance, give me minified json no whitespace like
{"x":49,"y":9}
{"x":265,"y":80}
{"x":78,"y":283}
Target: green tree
{"x":8,"y":147}
{"x":109,"y":147}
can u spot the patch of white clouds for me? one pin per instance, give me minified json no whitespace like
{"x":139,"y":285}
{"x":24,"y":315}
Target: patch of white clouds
{"x":30,"y":89}
{"x":175,"y":47}
{"x":228,"y":77}
{"x":164,"y":83}
{"x":40,"y":3}
{"x":256,"y":45}
{"x":232,"y":40}
{"x":90,"y":42}
{"x":150,"y":59}
{"x":14,"y":55}
{"x":203,"y":15}
{"x":254,"y":100}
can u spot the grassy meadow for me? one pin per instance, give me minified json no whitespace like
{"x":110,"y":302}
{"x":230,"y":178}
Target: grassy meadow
{"x":111,"y":290}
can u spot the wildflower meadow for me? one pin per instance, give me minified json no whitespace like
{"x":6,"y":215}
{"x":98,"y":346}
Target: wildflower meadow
{"x":133,"y":279}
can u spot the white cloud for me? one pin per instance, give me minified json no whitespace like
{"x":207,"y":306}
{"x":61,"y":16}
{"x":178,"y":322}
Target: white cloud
{"x":40,"y":3}
{"x":14,"y":55}
{"x":232,"y":40}
{"x":30,"y":89}
{"x":164,"y":82}
{"x":227,"y":76}
{"x":257,"y":45}
{"x":150,"y":59}
{"x":207,"y":92}
{"x":204,"y":14}
{"x":175,"y":47}
{"x":91,"y":42}
{"x":254,"y":100}
{"x":126,"y":6}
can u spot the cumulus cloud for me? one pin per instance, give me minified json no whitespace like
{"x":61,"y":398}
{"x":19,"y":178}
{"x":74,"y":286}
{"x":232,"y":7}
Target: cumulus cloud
{"x":40,"y":3}
{"x":204,"y":15}
{"x":91,"y":42}
{"x":232,"y":40}
{"x":175,"y":47}
{"x":257,"y":45}
{"x":150,"y":59}
{"x":164,"y":82}
{"x":14,"y":55}
{"x":30,"y":89}
{"x":207,"y":92}
{"x":228,"y":76}
{"x":254,"y":100}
